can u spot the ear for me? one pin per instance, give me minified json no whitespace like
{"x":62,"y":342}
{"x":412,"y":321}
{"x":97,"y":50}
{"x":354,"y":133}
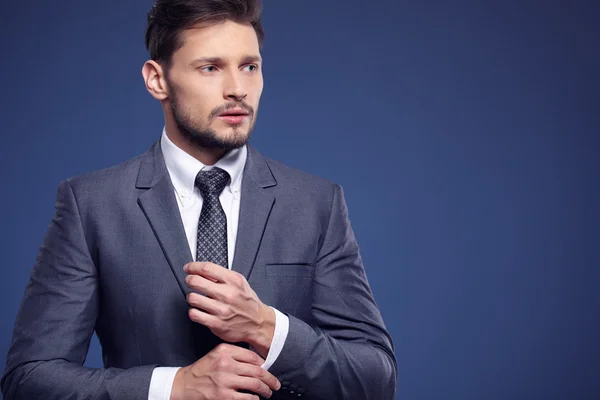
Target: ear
{"x":155,"y":81}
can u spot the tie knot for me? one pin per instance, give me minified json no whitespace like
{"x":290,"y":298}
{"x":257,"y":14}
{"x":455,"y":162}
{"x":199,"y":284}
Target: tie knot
{"x":212,"y":182}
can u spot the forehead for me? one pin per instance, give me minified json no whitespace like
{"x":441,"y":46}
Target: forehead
{"x":227,"y":39}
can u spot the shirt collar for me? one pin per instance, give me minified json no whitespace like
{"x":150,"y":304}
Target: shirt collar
{"x":183,"y":168}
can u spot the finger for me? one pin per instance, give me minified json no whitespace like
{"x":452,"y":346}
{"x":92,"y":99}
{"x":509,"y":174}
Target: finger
{"x":208,"y":270}
{"x":204,"y":318}
{"x":255,"y":371}
{"x":240,"y":354}
{"x":245,"y":396}
{"x":253,"y":385}
{"x":203,"y":285}
{"x":206,"y":304}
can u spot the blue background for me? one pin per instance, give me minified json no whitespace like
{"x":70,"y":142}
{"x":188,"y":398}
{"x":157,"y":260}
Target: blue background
{"x":465,"y":134}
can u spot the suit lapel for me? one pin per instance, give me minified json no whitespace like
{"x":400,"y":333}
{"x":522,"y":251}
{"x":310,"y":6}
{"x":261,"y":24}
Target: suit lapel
{"x":255,"y":208}
{"x":160,"y":208}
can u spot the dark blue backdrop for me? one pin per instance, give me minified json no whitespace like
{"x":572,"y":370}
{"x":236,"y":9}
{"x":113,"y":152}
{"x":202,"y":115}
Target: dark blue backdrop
{"x":465,"y":134}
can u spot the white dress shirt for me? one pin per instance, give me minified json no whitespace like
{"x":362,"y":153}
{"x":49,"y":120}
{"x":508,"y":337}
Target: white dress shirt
{"x":183,"y":169}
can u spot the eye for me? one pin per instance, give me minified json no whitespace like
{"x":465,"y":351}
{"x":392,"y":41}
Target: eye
{"x":251,"y":67}
{"x":208,"y":68}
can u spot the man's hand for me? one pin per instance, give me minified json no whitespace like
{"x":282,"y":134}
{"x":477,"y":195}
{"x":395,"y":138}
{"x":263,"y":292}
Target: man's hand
{"x":230,"y":308}
{"x":221,"y":373}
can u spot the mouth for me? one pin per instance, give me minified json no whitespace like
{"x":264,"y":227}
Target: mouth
{"x":234,"y":116}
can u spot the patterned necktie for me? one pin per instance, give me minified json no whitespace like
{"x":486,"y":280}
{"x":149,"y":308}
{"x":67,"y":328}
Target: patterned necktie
{"x":212,"y":224}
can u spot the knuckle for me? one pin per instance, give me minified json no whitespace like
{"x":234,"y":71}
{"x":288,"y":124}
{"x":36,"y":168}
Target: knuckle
{"x":228,"y":298}
{"x":224,"y":350}
{"x":264,"y":375}
{"x":256,"y":385}
{"x":223,"y":364}
{"x":238,"y":279}
{"x":223,"y":310}
{"x":258,"y":372}
{"x":221,"y":348}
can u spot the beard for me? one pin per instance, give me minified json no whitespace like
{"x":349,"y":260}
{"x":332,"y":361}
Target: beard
{"x":199,"y":133}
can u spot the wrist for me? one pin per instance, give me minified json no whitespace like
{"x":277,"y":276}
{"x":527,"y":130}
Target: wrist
{"x":263,"y":336}
{"x":178,"y":384}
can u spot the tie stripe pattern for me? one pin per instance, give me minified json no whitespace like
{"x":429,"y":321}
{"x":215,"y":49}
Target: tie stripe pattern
{"x":212,"y":224}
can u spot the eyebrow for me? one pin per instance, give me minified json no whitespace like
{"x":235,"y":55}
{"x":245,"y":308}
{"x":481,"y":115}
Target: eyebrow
{"x":218,"y":60}
{"x":251,"y":59}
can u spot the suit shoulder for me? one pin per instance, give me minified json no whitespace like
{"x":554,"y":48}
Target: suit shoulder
{"x":284,"y":174}
{"x":301,"y":188}
{"x":123,"y":173}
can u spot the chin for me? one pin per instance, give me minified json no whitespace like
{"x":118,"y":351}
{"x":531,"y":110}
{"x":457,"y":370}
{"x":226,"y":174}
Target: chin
{"x":234,"y":133}
{"x":234,"y":140}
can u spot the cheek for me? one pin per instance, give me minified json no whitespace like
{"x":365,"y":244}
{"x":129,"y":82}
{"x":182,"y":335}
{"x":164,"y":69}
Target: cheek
{"x":254,"y":92}
{"x":197,"y":98}
{"x":257,"y":86}
{"x":196,"y":104}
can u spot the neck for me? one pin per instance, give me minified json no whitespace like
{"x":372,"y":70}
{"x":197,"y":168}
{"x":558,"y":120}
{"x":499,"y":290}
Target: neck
{"x":207,"y":156}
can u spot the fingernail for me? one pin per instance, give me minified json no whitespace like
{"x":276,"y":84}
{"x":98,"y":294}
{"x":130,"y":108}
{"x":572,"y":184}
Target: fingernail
{"x":185,"y":268}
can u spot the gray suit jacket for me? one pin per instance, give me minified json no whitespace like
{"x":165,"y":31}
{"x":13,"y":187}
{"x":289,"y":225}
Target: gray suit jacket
{"x":112,"y":261}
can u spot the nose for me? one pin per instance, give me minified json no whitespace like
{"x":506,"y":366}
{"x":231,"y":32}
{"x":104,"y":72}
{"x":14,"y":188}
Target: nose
{"x":234,"y":88}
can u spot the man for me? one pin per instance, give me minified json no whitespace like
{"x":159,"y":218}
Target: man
{"x":276,"y":303}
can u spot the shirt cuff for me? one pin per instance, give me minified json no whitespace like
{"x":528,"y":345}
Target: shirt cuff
{"x":161,"y":383}
{"x":282,"y":327}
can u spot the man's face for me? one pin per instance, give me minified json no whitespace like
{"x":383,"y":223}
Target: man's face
{"x":215,"y":83}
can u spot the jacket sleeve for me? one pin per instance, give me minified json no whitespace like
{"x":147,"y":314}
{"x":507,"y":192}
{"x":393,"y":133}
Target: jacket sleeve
{"x":56,"y":321}
{"x":346,"y":351}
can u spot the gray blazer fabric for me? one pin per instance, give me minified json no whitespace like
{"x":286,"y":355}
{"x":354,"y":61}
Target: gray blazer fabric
{"x":112,"y":261}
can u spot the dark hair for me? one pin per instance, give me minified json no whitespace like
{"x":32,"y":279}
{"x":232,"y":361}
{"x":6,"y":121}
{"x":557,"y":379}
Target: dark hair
{"x":169,"y":18}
